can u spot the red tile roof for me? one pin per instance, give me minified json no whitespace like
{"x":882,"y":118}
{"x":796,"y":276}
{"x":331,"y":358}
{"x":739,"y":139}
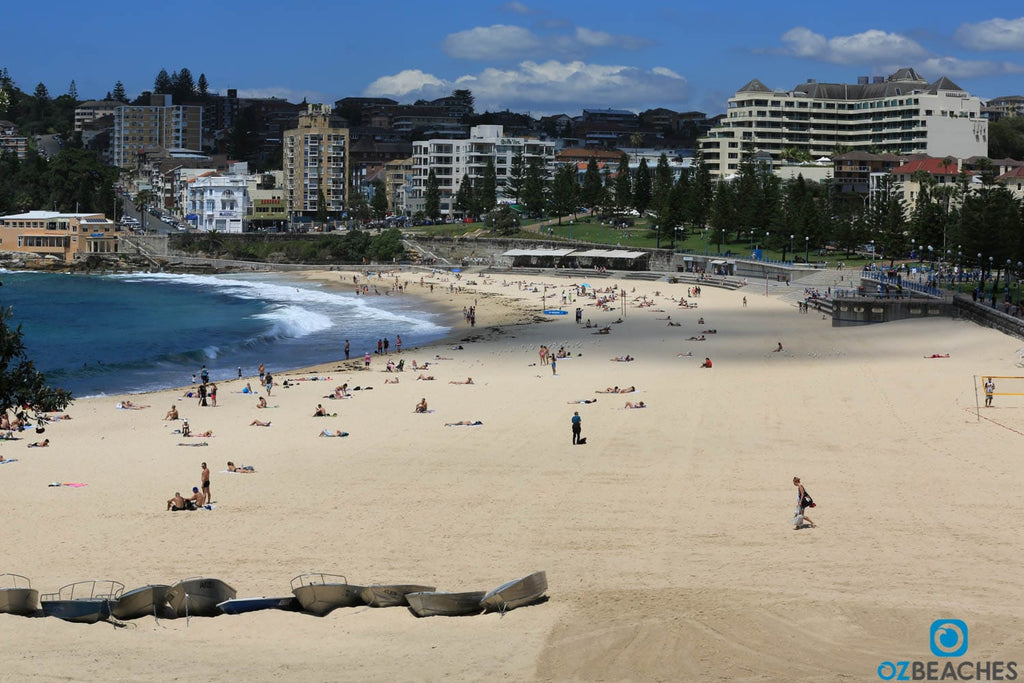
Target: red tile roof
{"x":931,"y":165}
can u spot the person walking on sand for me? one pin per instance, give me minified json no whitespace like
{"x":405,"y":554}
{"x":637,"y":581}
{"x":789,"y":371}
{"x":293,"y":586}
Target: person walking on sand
{"x":803,"y":501}
{"x":577,"y":427}
{"x":206,"y":483}
{"x":347,"y":348}
{"x":263,"y":371}
{"x":990,"y":390}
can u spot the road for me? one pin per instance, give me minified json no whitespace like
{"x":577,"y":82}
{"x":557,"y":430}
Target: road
{"x":150,"y":223}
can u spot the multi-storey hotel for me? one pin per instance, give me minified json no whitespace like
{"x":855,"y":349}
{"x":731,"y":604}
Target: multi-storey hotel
{"x":900,"y":114}
{"x":158,"y":126}
{"x":315,"y":161}
{"x":451,"y":159}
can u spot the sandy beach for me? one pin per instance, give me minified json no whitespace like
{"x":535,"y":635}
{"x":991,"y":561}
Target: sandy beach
{"x":666,"y":538}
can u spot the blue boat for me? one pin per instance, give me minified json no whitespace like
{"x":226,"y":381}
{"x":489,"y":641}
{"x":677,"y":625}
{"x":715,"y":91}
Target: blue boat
{"x":83,"y":602}
{"x":244,"y":605}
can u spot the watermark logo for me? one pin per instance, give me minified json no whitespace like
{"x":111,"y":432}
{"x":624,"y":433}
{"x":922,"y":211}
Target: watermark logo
{"x":948,"y":638}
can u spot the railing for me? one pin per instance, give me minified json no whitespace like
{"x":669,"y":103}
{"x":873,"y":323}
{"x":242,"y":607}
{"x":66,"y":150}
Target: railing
{"x":900,"y":282}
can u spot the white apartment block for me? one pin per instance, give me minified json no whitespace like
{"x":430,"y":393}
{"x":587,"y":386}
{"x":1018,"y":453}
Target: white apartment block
{"x":158,"y":126}
{"x":899,"y":114}
{"x":451,"y":159}
{"x":218,"y":202}
{"x":315,"y":161}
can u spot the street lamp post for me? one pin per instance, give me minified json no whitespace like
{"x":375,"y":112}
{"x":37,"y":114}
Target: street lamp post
{"x":766,"y":236}
{"x":791,"y":247}
{"x":872,"y":252}
{"x":913,"y":246}
{"x":807,"y":249}
{"x":720,"y":241}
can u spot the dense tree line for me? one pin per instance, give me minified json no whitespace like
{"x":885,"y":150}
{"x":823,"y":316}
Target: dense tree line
{"x":355,"y":246}
{"x":74,"y":180}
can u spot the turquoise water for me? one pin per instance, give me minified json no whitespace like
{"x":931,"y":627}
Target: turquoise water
{"x":110,"y":334}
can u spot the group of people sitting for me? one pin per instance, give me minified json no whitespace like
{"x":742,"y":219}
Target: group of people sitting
{"x":194,"y":502}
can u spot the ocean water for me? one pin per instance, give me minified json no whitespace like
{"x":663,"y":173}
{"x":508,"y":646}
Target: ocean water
{"x":110,"y":334}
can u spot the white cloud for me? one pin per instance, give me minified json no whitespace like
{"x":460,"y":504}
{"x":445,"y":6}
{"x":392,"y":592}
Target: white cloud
{"x":503,"y":42}
{"x":590,"y":38}
{"x":994,"y":34}
{"x":859,"y":48}
{"x":403,"y":83}
{"x":517,"y":8}
{"x":959,"y":68}
{"x":499,"y":41}
{"x":546,"y":87}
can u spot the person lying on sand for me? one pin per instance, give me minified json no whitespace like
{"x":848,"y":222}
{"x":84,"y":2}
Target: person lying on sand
{"x":584,"y":400}
{"x":259,"y":423}
{"x":425,"y":378}
{"x":688,"y":354}
{"x":333,"y":432}
{"x":240,"y":469}
{"x":207,"y":433}
{"x":672,"y":324}
{"x":938,"y":355}
{"x":700,"y":338}
{"x":391,"y":380}
{"x":40,"y":444}
{"x":616,"y":390}
{"x":442,"y":358}
{"x":604,"y":330}
{"x":623,"y":359}
{"x":421,"y":407}
{"x":172,"y":414}
{"x":468,"y":423}
{"x":710,"y":331}
{"x":128,"y":405}
{"x":638,"y":404}
{"x":469,"y":380}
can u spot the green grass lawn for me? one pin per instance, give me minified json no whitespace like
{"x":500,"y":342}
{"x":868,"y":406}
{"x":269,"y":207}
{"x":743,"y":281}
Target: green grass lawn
{"x":639,"y":235}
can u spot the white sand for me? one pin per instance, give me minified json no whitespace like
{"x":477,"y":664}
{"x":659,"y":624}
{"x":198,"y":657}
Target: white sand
{"x":666,"y":538}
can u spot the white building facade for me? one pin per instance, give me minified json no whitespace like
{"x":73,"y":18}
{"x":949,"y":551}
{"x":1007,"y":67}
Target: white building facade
{"x":451,"y":159}
{"x":900,"y":114}
{"x":219,"y":203}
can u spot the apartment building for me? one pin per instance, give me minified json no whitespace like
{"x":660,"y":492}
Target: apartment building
{"x":11,"y":142}
{"x":315,"y":162}
{"x":142,"y":129}
{"x":397,"y":176}
{"x":451,"y":159}
{"x":267,"y":209}
{"x":219,"y":202}
{"x":65,"y":235}
{"x":89,"y":111}
{"x":898,"y":114}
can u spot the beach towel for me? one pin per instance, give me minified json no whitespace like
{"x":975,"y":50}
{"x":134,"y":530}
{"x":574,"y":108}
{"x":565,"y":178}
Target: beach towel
{"x":194,"y":444}
{"x":4,"y":462}
{"x":72,"y":484}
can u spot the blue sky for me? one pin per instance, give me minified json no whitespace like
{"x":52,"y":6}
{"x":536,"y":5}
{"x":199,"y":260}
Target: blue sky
{"x":525,"y":55}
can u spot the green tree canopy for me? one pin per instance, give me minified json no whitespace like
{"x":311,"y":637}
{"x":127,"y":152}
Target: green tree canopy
{"x":21,"y":384}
